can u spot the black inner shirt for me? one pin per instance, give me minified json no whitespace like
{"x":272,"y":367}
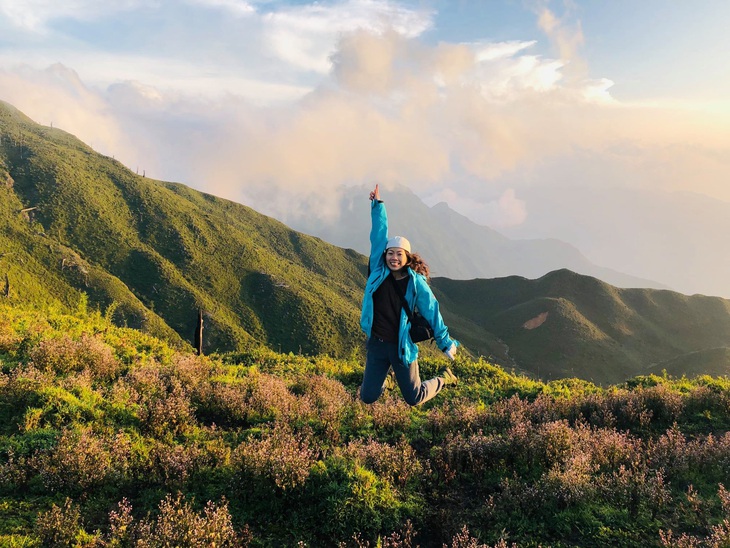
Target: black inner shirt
{"x":387,"y":309}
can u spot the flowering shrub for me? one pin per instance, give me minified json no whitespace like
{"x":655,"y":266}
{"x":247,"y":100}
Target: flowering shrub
{"x":268,"y":398}
{"x":718,"y":535}
{"x":499,"y":457}
{"x":63,"y":354}
{"x":459,"y":415}
{"x":163,"y":404}
{"x":391,"y":415}
{"x":15,"y":472}
{"x":21,"y":389}
{"x":396,"y":463}
{"x":173,"y":464}
{"x":463,"y":539}
{"x":59,"y":526}
{"x":405,"y":538}
{"x":222,"y":404}
{"x":572,"y":482}
{"x":329,"y":401}
{"x":121,"y":530}
{"x":192,"y":370}
{"x":82,"y":460}
{"x":177,"y":524}
{"x":280,"y":456}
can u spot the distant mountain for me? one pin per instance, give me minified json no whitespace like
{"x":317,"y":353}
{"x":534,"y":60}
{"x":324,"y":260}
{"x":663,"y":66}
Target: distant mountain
{"x":565,"y":325}
{"x":454,"y":246}
{"x":679,"y":239}
{"x":152,"y":254}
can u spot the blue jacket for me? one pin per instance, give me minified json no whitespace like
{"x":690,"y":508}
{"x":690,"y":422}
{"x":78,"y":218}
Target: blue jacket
{"x":418,"y":293}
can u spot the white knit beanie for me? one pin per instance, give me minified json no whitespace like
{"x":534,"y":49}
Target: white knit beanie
{"x":399,"y":241}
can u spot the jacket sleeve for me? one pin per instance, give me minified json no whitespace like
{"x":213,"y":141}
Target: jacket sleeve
{"x":378,"y":232}
{"x":428,"y":306}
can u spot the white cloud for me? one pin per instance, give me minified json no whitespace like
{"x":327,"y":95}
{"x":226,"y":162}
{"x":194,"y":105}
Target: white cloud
{"x":34,"y":15}
{"x":305,"y":36}
{"x":238,"y":8}
{"x":57,"y":96}
{"x":500,"y":50}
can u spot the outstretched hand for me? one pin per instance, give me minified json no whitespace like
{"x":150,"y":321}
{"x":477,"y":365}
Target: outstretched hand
{"x":375,"y":194}
{"x":451,"y":352}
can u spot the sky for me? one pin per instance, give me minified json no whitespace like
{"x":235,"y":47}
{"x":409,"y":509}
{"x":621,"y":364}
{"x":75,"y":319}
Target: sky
{"x":278,"y":104}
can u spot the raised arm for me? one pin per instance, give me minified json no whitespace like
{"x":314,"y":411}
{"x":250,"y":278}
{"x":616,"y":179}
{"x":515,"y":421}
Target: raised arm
{"x":379,"y":228}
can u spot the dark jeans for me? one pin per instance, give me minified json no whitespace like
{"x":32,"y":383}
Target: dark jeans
{"x":381,"y":356}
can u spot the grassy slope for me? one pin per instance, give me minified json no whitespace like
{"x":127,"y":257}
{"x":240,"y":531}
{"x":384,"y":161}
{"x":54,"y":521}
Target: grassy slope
{"x":712,"y":361}
{"x":178,"y":250}
{"x":593,"y":330}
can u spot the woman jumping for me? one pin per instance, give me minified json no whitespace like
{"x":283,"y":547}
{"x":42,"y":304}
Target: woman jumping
{"x":386,"y":323}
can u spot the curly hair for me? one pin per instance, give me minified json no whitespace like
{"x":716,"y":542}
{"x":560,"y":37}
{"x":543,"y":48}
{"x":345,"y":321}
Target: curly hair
{"x":417,"y":264}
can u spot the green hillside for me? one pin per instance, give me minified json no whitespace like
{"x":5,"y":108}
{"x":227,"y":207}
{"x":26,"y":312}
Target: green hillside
{"x":712,"y":361}
{"x":76,"y":221}
{"x":589,"y":329}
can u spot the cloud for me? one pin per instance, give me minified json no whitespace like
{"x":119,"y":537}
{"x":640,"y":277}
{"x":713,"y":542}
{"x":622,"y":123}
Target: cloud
{"x":568,"y":38}
{"x":399,"y":110}
{"x":34,"y":15}
{"x":566,"y":35}
{"x":305,"y":36}
{"x":500,"y":50}
{"x":236,"y":7}
{"x":57,"y":96}
{"x":368,"y":100}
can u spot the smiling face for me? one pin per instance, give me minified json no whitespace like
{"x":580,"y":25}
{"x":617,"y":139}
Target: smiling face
{"x":396,"y":258}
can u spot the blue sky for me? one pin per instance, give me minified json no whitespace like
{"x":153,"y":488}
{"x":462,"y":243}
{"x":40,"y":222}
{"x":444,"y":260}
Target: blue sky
{"x":467,"y":101}
{"x":650,"y":48}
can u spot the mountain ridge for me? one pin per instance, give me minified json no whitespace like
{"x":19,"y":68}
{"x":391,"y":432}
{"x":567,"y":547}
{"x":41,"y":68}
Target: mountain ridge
{"x":675,"y":237}
{"x":454,"y":246}
{"x":601,"y":331}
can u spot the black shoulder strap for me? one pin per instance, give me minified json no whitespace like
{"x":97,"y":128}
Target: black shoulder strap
{"x":402,"y":297}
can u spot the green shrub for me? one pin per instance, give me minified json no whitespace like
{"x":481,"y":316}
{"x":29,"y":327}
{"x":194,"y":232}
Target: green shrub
{"x":356,"y":501}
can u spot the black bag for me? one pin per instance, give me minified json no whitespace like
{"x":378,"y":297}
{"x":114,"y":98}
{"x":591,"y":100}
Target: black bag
{"x":420,"y":328}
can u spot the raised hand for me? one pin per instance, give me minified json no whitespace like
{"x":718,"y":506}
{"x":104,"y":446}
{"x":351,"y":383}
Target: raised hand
{"x":375,"y":194}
